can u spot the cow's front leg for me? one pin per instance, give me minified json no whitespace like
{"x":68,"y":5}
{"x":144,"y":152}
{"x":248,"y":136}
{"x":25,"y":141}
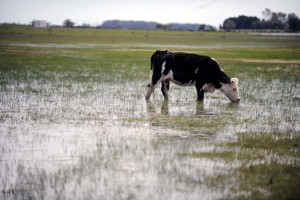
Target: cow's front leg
{"x":200,"y":95}
{"x":165,"y":89}
{"x":200,"y":92}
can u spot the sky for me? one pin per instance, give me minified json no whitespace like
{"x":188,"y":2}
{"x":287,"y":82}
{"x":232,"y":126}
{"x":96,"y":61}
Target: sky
{"x":94,"y":12}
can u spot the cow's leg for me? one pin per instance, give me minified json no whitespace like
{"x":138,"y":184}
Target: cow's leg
{"x":200,"y":91}
{"x":165,"y":88}
{"x":155,"y":79}
{"x":150,"y":91}
{"x":200,"y":95}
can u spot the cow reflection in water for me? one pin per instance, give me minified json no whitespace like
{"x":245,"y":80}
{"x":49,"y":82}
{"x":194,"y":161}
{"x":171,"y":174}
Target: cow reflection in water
{"x":164,"y":109}
{"x":153,"y":108}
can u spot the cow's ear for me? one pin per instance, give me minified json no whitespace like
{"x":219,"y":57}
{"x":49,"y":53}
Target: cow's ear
{"x":235,"y":80}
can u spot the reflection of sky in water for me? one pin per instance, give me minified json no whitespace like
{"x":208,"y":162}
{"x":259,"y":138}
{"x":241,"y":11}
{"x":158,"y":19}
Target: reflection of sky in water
{"x":104,"y":161}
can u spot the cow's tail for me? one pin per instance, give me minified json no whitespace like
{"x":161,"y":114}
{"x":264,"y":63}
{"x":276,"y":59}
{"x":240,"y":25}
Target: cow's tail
{"x":150,"y":85}
{"x":152,"y":61}
{"x":155,"y":73}
{"x":152,"y":64}
{"x":151,"y":69}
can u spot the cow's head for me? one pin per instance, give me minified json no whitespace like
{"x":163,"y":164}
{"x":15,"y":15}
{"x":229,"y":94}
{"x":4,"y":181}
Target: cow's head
{"x":231,"y":90}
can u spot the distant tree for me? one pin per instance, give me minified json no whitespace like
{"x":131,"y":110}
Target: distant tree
{"x":244,"y":22}
{"x":229,"y":24}
{"x":293,"y":22}
{"x":86,"y":25}
{"x":241,"y":22}
{"x":68,"y":23}
{"x":267,"y":13}
{"x":273,"y":20}
{"x":282,"y":17}
{"x":161,"y":26}
{"x":277,"y":20}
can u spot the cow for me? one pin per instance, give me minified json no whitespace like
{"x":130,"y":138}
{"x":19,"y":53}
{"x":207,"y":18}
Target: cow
{"x":187,"y":69}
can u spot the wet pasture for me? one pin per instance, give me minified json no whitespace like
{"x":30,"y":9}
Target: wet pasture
{"x":75,"y":125}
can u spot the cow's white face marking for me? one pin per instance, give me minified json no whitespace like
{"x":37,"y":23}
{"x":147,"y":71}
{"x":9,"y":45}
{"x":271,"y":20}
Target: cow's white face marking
{"x":231,"y":90}
{"x":196,"y":70}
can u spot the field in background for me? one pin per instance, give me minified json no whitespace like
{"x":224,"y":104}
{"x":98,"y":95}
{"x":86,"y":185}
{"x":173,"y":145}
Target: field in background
{"x":75,"y":125}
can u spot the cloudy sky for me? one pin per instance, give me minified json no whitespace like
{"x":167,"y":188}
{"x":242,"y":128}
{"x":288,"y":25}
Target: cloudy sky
{"x":95,"y":12}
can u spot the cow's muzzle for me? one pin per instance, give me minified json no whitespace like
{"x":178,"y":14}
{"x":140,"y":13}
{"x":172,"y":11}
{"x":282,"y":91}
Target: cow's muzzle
{"x":236,"y":100}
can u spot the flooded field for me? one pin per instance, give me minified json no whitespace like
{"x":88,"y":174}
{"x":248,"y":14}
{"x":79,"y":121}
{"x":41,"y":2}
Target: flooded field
{"x":75,"y":125}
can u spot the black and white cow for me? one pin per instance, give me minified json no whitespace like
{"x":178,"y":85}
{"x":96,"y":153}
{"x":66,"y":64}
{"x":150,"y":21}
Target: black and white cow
{"x":186,"y":69}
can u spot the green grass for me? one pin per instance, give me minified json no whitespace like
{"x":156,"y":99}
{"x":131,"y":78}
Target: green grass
{"x":17,"y":33}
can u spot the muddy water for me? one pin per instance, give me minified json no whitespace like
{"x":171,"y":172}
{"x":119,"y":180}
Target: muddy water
{"x":64,"y":139}
{"x":67,"y":140}
{"x":102,"y":162}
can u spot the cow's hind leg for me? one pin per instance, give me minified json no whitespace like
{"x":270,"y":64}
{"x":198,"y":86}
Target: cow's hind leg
{"x":165,"y":89}
{"x":155,"y":80}
{"x":150,"y":91}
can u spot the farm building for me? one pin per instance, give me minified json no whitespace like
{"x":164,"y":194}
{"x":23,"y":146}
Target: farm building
{"x":40,"y":24}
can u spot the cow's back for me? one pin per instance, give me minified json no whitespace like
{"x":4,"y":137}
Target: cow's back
{"x":190,"y":67}
{"x":190,"y":61}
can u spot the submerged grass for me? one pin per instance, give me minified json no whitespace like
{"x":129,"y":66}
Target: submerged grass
{"x":268,"y":141}
{"x":259,"y":146}
{"x":200,"y":124}
{"x":271,"y":181}
{"x":268,"y":166}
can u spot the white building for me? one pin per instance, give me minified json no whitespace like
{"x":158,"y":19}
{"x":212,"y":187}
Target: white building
{"x":40,"y":24}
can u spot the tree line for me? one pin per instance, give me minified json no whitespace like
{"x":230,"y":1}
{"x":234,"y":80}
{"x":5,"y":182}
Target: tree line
{"x":130,"y":24}
{"x":271,"y":20}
